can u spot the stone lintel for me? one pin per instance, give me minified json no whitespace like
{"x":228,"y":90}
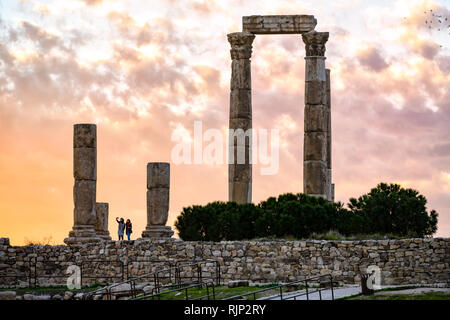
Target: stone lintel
{"x":278,"y":24}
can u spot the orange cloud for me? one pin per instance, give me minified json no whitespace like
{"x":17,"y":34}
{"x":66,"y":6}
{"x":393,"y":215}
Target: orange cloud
{"x":388,"y":125}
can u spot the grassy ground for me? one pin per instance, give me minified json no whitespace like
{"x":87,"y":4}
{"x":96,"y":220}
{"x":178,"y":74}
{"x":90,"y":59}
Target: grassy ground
{"x":221,"y":292}
{"x":391,"y":295}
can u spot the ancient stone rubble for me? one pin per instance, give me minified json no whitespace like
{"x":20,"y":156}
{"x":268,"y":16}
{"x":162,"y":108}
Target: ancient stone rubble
{"x":405,"y":261}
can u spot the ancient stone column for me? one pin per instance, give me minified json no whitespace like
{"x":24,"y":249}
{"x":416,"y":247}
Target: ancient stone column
{"x":101,"y":224}
{"x":84,"y":189}
{"x":158,"y":185}
{"x":315,"y":168}
{"x":240,"y":139}
{"x":330,"y":195}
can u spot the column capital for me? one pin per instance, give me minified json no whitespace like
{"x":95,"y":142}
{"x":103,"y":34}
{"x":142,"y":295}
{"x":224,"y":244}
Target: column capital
{"x":241,"y":44}
{"x":315,"y":43}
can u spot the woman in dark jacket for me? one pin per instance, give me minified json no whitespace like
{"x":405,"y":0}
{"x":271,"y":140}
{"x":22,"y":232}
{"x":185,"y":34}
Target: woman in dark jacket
{"x":128,"y":228}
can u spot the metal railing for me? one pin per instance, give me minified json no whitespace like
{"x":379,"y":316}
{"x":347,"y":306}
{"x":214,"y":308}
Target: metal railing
{"x":209,"y":286}
{"x":174,"y":278}
{"x":36,"y":269}
{"x":286,"y":295}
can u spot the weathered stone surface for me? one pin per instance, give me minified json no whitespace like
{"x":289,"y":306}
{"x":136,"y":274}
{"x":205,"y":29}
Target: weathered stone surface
{"x":82,"y":234}
{"x":238,"y":283}
{"x":241,"y":45}
{"x":315,"y":92}
{"x":84,"y":195}
{"x":328,"y":104}
{"x":157,"y":232}
{"x":84,"y":189}
{"x":240,"y":191}
{"x":101,"y":225}
{"x":240,"y":103}
{"x":315,"y":118}
{"x":315,"y":43}
{"x":68,"y":295}
{"x":330,"y":185}
{"x":157,"y":206}
{"x":102,"y":211}
{"x":278,"y":24}
{"x":240,"y":117}
{"x":315,"y":172}
{"x":158,"y":175}
{"x":315,"y":147}
{"x":240,"y":123}
{"x":315,"y":69}
{"x":121,"y":288}
{"x":240,"y":172}
{"x":85,"y":163}
{"x":7,"y":295}
{"x":84,"y":135}
{"x":314,"y":177}
{"x":257,"y":261}
{"x":241,"y":74}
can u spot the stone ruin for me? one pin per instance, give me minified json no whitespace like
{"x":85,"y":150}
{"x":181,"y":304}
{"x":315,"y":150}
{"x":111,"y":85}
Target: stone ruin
{"x":158,"y":185}
{"x":85,"y":187}
{"x":317,"y":137}
{"x":91,"y":217}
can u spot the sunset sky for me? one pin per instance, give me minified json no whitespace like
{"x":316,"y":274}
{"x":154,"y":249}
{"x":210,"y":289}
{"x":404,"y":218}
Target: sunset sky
{"x":141,"y":70}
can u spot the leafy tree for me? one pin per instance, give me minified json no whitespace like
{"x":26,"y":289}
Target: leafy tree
{"x":389,"y":208}
{"x":386,"y":209}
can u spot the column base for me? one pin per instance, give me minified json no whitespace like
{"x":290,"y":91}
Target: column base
{"x":157,"y":232}
{"x":82,"y":234}
{"x":104,"y":235}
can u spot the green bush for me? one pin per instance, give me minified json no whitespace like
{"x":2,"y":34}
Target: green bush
{"x":387,"y":209}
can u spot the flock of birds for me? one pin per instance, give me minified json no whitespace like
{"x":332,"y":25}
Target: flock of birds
{"x":437,"y":18}
{"x":441,"y":23}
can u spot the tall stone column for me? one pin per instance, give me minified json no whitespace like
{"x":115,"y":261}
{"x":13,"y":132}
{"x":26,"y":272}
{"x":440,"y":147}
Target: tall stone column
{"x":330,"y":185}
{"x":315,"y":168}
{"x":240,"y":139}
{"x":158,"y":185}
{"x":84,"y":189}
{"x":101,"y":224}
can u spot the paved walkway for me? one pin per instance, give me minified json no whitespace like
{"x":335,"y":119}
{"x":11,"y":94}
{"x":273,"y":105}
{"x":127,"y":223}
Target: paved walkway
{"x":325,"y":293}
{"x":347,"y":291}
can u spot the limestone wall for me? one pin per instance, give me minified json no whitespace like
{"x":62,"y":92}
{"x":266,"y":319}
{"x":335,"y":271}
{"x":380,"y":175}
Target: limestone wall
{"x":411,"y":261}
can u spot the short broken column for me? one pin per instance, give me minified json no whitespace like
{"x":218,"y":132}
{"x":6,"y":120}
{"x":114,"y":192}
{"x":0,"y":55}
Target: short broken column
{"x":84,"y":189}
{"x":101,"y":225}
{"x":315,"y":169}
{"x":240,"y":125}
{"x":158,"y":185}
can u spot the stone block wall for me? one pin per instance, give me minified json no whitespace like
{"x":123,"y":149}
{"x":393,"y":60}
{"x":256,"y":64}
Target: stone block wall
{"x":408,"y":261}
